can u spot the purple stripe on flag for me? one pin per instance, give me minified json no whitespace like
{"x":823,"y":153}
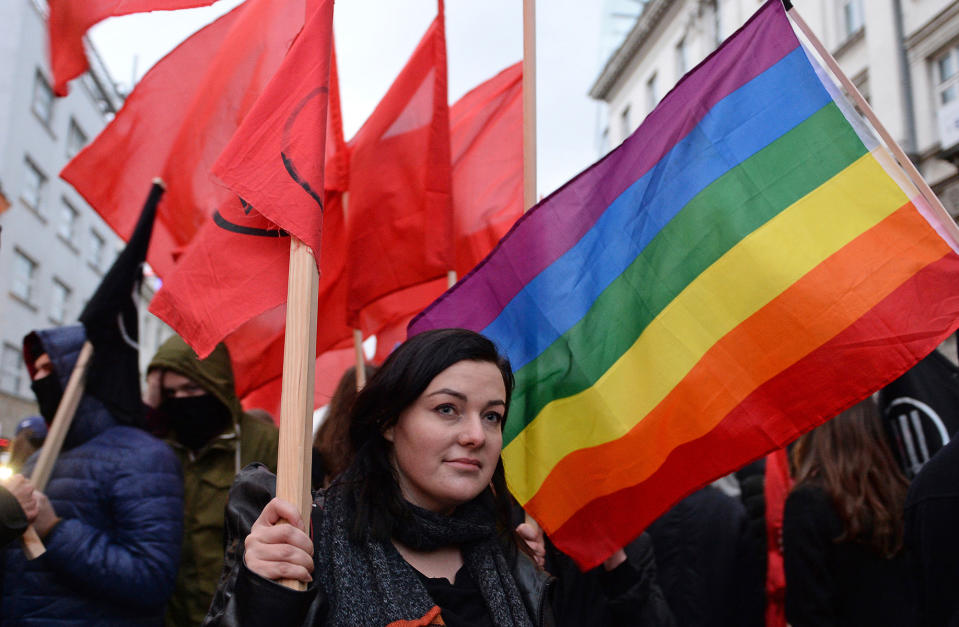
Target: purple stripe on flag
{"x":571,"y":211}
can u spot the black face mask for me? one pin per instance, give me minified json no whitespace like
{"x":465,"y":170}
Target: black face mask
{"x":195,"y":420}
{"x":48,"y":393}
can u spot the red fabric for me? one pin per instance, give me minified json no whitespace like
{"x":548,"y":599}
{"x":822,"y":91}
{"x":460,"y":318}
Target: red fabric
{"x":486,"y":136}
{"x":777,"y":486}
{"x":274,"y":161}
{"x":70,"y":20}
{"x":486,"y":129}
{"x":337,"y":153}
{"x":178,"y":120}
{"x":399,"y":209}
{"x":329,"y":368}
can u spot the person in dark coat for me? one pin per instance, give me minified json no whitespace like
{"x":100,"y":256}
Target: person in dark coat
{"x":932,"y":538}
{"x":706,"y":570}
{"x":111,"y":517}
{"x":843,"y":526}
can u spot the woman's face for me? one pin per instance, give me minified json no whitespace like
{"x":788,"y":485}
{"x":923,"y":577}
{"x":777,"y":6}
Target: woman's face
{"x":447,"y":443}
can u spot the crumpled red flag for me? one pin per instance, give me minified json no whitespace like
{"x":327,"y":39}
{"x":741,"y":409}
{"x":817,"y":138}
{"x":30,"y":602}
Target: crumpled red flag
{"x":69,"y":21}
{"x":274,"y":161}
{"x":177,"y":121}
{"x":400,"y":207}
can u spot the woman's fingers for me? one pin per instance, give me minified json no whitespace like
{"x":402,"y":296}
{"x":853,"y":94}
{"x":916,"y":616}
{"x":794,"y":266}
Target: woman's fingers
{"x":534,"y":540}
{"x":277,"y":510}
{"x":277,"y":548}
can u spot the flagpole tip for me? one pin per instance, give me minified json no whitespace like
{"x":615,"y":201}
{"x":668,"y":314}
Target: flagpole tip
{"x":159,"y":181}
{"x":788,"y":5}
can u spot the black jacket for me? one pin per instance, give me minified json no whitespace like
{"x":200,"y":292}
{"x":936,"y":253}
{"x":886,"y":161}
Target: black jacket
{"x":831,"y":583}
{"x":932,"y":537}
{"x":245,"y":598}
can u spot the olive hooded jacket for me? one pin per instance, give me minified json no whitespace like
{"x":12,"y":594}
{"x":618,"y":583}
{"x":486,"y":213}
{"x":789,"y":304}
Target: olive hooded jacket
{"x":207,"y":475}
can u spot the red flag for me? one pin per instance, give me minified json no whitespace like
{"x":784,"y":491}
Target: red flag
{"x":400,"y":231}
{"x":486,"y":128}
{"x":274,"y":161}
{"x":71,"y":19}
{"x":178,"y":120}
{"x":486,"y":133}
{"x":235,"y":271}
{"x":329,"y":368}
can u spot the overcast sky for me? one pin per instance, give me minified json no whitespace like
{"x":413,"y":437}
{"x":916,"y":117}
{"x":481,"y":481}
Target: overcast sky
{"x":375,"y":37}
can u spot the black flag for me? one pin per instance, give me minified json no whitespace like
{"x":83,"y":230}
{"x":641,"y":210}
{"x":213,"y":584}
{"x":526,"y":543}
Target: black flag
{"x":921,"y":411}
{"x":112,"y":326}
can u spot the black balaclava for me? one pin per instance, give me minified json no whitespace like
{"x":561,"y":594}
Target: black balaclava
{"x":48,"y":393}
{"x":196,"y":420}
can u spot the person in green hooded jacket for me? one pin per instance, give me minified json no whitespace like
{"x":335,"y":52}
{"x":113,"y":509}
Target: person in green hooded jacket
{"x":197,"y":406}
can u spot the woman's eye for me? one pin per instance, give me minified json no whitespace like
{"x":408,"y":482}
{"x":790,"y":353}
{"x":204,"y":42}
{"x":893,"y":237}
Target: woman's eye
{"x":447,"y":410}
{"x":494,"y":417}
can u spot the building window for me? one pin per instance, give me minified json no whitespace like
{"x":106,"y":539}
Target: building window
{"x":76,"y":139}
{"x":97,"y":245}
{"x":852,"y":21}
{"x":947,"y":76}
{"x":625,"y":123}
{"x":67,"y":226}
{"x":59,"y":301}
{"x":33,"y":182}
{"x":42,"y":99}
{"x":652,"y":92}
{"x":11,"y":369}
{"x":682,"y":58}
{"x":24,"y":276}
{"x":717,"y":23}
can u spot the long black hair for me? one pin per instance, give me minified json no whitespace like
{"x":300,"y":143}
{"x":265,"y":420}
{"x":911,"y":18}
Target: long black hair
{"x":403,"y":377}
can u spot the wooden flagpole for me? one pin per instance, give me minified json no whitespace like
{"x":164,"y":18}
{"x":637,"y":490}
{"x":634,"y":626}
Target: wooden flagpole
{"x":905,"y":163}
{"x":50,"y":450}
{"x":529,"y":125}
{"x":529,"y":104}
{"x":360,"y":359}
{"x":296,"y":399}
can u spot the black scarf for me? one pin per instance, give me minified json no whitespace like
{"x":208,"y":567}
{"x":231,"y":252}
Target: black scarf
{"x":371,"y":583}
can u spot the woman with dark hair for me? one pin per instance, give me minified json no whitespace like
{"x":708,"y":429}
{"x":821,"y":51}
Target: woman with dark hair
{"x":843,"y":526}
{"x":416,"y":531}
{"x":333,"y":450}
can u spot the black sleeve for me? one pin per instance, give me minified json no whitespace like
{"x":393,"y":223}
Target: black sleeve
{"x":932,"y":539}
{"x":242,"y":597}
{"x":13,"y":522}
{"x":627,"y":595}
{"x":809,"y":527}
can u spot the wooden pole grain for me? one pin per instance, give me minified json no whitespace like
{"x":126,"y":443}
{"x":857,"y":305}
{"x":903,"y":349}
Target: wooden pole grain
{"x":296,"y":400}
{"x":66,"y":410}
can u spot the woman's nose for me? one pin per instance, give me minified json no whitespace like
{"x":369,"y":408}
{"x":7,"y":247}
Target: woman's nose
{"x":472,"y":432}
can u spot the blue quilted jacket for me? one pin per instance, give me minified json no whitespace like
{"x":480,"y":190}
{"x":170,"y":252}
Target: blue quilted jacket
{"x":112,"y":560}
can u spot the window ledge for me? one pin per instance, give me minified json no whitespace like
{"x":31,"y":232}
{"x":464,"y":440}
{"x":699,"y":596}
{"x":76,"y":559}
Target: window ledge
{"x":34,"y":210}
{"x":23,"y":302}
{"x":45,"y":124}
{"x":69,"y":244}
{"x":850,"y":41}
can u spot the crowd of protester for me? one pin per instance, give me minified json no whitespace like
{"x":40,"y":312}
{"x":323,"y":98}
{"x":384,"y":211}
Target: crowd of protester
{"x":174,"y":520}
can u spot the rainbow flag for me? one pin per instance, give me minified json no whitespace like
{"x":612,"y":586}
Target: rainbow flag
{"x":746,"y":265}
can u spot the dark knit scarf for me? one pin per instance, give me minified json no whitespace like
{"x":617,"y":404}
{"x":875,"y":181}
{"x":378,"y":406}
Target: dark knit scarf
{"x":371,"y":583}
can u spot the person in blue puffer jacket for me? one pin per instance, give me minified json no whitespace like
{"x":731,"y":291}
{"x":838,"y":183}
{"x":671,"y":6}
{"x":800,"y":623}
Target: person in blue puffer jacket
{"x":111,"y":516}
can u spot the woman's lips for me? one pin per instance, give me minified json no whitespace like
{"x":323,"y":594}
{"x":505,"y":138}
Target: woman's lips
{"x":464,"y":462}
